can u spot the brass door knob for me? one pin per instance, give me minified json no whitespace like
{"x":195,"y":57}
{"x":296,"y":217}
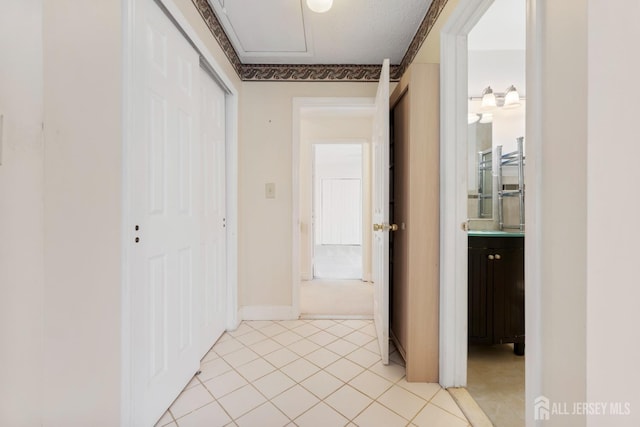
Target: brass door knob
{"x":490,"y":257}
{"x":385,"y":227}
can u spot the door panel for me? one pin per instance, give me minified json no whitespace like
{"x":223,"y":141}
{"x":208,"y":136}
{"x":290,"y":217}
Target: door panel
{"x":380,"y":215}
{"x":166,"y":262}
{"x":213,"y":237}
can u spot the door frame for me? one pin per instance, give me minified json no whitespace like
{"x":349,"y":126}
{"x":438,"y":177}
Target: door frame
{"x":453,"y":203}
{"x":364,"y":188}
{"x":299,"y":105}
{"x":231,"y":159}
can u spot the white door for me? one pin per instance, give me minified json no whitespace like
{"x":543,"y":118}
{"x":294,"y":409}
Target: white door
{"x":380,"y":202}
{"x":213,"y":236}
{"x":166,"y":181}
{"x":341,"y":211}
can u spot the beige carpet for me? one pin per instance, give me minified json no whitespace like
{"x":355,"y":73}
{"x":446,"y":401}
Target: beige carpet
{"x":342,"y":299}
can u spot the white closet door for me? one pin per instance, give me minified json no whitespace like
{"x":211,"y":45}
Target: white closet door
{"x":166,"y":175}
{"x":213,"y":236}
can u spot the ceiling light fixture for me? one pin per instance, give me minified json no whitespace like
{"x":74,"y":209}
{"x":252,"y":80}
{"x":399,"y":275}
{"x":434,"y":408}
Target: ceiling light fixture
{"x":319,"y":6}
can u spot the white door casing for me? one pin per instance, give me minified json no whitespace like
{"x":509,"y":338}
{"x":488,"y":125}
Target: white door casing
{"x":380,"y":215}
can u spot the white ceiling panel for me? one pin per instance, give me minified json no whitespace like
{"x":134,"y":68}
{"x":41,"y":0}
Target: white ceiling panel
{"x":263,"y":28}
{"x":352,"y":32}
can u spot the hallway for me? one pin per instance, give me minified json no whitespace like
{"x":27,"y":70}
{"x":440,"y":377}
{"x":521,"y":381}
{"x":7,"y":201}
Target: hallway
{"x":307,"y":373}
{"x":336,"y":299}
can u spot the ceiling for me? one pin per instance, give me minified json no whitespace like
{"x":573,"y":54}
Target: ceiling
{"x":285,"y":40}
{"x":351,"y":32}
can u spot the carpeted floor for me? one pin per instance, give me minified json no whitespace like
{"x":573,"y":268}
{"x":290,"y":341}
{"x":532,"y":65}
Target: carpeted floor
{"x":336,"y":299}
{"x":337,"y":262}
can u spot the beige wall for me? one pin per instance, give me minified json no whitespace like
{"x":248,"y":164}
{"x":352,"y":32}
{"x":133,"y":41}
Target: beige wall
{"x":21,"y":213}
{"x":430,"y":50}
{"x":83,"y":211}
{"x":265,"y":229}
{"x":314,"y":130}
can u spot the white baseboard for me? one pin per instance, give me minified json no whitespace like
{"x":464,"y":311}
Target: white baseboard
{"x":336,"y":317}
{"x":267,"y":312}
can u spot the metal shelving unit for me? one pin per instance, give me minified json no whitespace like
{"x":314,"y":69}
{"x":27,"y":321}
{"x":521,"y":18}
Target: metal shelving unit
{"x":485,"y":182}
{"x":513,"y":159}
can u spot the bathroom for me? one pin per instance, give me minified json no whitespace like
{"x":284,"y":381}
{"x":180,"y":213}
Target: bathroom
{"x":496,"y":222}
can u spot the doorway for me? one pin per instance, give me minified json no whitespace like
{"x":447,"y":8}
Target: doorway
{"x":337,"y":211}
{"x":495,"y":194}
{"x":332,"y":205}
{"x":456,"y":89}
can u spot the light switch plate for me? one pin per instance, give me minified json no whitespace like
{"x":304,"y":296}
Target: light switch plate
{"x":270,"y":190}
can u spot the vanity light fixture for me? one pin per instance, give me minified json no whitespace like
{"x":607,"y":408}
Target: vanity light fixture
{"x":511,"y":98}
{"x":488,"y":99}
{"x":319,"y":6}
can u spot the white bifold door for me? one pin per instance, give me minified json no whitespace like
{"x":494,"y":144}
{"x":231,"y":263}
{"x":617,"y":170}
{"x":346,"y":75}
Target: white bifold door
{"x":177,"y":177}
{"x":380,"y":215}
{"x":213,"y":233}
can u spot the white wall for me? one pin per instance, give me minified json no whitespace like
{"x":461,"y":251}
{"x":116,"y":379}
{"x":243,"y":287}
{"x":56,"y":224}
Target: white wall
{"x":496,"y":68}
{"x":21,"y":213}
{"x":613,"y":145}
{"x":556,"y":274}
{"x":265,"y":230}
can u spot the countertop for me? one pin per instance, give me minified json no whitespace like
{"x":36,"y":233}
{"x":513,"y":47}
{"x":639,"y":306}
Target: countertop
{"x":495,"y":233}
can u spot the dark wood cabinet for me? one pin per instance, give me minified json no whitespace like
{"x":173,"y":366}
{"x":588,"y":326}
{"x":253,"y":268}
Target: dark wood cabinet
{"x":496,"y":291}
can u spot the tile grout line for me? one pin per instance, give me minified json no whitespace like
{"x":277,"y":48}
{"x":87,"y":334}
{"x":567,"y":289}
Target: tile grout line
{"x":290,"y":327}
{"x":299,"y":383}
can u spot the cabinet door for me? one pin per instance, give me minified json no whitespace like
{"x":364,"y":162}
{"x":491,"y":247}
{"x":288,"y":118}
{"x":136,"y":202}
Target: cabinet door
{"x":508,"y":289}
{"x":480,"y":279}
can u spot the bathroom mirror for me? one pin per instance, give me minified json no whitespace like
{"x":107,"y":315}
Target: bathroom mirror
{"x":480,"y":181}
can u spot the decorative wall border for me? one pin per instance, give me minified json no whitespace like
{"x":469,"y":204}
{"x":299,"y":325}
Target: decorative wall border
{"x":424,"y":29}
{"x":210,"y":18}
{"x":339,"y":72}
{"x":316,"y":72}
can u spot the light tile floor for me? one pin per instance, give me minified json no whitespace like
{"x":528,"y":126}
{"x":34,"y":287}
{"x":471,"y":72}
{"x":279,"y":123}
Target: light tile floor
{"x":307,"y":373}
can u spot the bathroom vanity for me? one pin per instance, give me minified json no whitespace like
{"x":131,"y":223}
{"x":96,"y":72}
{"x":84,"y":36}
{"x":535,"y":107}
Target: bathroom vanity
{"x":496,"y":288}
